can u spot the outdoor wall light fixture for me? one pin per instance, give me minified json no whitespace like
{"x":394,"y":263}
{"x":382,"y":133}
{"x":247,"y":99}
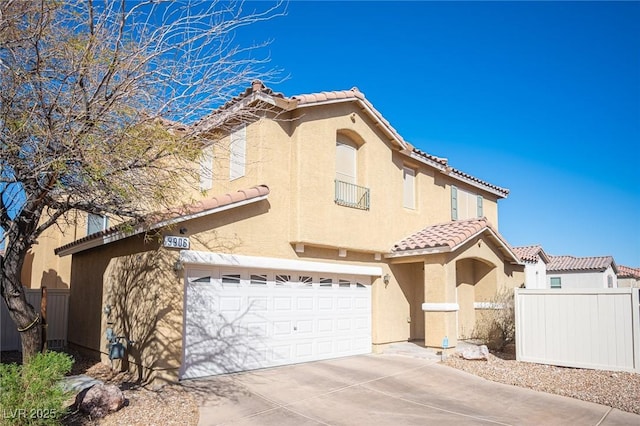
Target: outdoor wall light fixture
{"x":177,"y":266}
{"x":386,"y":279}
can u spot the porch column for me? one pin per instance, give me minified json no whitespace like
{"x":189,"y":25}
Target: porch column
{"x":440,"y":307}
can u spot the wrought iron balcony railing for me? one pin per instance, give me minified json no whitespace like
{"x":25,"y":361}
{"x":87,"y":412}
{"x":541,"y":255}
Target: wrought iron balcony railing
{"x":350,"y":195}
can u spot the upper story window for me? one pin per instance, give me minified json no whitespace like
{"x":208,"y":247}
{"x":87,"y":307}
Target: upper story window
{"x":348,"y":193}
{"x":409,"y":187}
{"x":206,"y":169}
{"x":465,"y":204}
{"x":609,"y":281}
{"x":556,"y":282}
{"x":238,"y":152}
{"x":346,"y":161}
{"x":96,"y":223}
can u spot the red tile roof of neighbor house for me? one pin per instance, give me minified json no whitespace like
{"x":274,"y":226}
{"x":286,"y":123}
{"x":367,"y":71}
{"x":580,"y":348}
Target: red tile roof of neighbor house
{"x":177,"y":214}
{"x":259,"y":92}
{"x":573,"y":264}
{"x":531,"y":253}
{"x":628,"y":272}
{"x":449,"y":236}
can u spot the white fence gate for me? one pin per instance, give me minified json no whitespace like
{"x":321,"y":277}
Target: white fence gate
{"x":583,"y":328}
{"x":57,"y":310}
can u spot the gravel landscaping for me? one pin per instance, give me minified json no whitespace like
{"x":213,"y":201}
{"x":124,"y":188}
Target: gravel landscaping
{"x":177,"y":405}
{"x":615,"y":389}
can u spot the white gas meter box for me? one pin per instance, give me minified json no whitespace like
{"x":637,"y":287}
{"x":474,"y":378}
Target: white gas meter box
{"x":171,"y":241}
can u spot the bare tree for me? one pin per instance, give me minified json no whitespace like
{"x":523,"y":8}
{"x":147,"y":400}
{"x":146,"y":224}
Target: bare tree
{"x":91,"y":94}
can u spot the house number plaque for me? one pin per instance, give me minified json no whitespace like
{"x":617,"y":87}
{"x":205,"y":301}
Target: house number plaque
{"x":171,"y":241}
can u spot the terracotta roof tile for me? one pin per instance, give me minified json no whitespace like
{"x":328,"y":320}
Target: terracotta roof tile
{"x":572,"y":263}
{"x":628,"y":272}
{"x":155,"y":219}
{"x":531,"y":253}
{"x":356,"y":95}
{"x":449,"y":234}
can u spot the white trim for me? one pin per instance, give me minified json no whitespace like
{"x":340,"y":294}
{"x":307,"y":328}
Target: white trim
{"x":116,"y":236}
{"x":440,"y":307}
{"x":272,"y":263}
{"x":418,"y":252}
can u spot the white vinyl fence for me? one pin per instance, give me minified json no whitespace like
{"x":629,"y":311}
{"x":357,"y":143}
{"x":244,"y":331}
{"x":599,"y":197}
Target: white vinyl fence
{"x":57,"y":310}
{"x":583,"y":328}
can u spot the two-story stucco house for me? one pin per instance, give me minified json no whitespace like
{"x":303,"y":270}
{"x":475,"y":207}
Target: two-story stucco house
{"x":323,"y":233}
{"x":535,"y":270}
{"x":582,"y":272}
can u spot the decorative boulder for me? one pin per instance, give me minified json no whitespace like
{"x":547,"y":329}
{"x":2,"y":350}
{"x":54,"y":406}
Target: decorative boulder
{"x":476,"y":352}
{"x":100,"y":400}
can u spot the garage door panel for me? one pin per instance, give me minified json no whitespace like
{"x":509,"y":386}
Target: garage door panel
{"x":325,"y":325}
{"x":230,"y":304}
{"x":304,"y":327}
{"x":258,"y":304}
{"x":325,"y":303}
{"x":305,"y":303}
{"x":259,"y":322}
{"x":281,"y":304}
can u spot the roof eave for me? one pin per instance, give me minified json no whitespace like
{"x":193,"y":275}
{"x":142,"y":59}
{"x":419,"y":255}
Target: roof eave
{"x":110,"y":238}
{"x":446,"y":169}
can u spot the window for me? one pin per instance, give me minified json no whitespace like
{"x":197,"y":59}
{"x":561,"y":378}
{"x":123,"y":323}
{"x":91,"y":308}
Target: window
{"x":96,"y":223}
{"x":346,"y":157}
{"x":238,"y":154}
{"x":258,"y":280}
{"x":409,"y":187}
{"x":206,"y":169}
{"x":231,"y":280}
{"x":465,"y":204}
{"x":349,"y":194}
{"x":556,"y":282}
{"x":609,"y":281}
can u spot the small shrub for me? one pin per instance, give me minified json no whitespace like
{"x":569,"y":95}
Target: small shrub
{"x":496,"y":327}
{"x":31,"y":394}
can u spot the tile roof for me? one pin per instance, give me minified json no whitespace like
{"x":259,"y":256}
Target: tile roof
{"x":628,"y":272}
{"x":531,"y":253}
{"x":259,"y":92}
{"x":573,"y":264}
{"x":449,"y":236}
{"x":177,"y":214}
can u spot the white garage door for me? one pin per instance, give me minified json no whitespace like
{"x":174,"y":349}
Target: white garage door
{"x":240,"y":319}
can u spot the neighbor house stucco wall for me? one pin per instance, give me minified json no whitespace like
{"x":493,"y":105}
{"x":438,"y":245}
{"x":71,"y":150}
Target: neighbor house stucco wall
{"x":584,"y":279}
{"x":536,"y":274}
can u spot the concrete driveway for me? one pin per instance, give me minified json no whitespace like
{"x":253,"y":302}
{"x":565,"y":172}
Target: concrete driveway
{"x":385,"y":390}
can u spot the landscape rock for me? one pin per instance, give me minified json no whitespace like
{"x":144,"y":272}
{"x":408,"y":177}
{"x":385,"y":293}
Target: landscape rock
{"x":476,"y":353}
{"x":100,"y":400}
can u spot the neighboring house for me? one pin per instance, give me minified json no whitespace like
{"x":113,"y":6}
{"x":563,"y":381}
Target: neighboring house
{"x":628,"y":277}
{"x":582,"y":272}
{"x":331,"y":236}
{"x":535,"y":269}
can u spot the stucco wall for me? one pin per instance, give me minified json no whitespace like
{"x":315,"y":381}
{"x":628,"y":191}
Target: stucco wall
{"x":574,"y":280}
{"x":536,"y":275}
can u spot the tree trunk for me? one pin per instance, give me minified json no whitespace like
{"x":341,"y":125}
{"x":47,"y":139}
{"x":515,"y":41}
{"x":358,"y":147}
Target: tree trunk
{"x":24,"y":316}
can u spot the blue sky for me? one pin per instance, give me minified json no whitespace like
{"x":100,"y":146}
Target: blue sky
{"x":542,"y":98}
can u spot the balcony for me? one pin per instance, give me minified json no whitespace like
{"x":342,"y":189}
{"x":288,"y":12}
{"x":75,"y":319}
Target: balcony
{"x":350,"y":195}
